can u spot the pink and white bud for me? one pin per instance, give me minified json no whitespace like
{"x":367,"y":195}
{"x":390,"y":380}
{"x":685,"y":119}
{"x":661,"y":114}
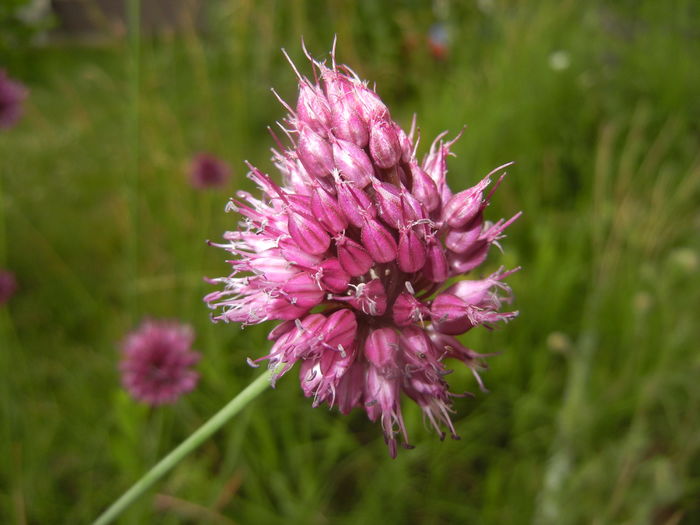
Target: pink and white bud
{"x":369,"y":298}
{"x":378,"y":241}
{"x":327,"y":212}
{"x":435,"y":268}
{"x":332,"y":276}
{"x":308,"y":233}
{"x":370,"y":105}
{"x":461,"y":240}
{"x":339,"y":330}
{"x":382,"y":348}
{"x":353,"y":257}
{"x":390,"y":203}
{"x":336,"y":85}
{"x":351,"y":387}
{"x":382,"y":395}
{"x":384,"y":144}
{"x":420,"y":352}
{"x":355,"y":203}
{"x":347,"y":124}
{"x":411,"y":251}
{"x":408,"y":310}
{"x":405,"y":143}
{"x":312,"y":108}
{"x":424,"y":188}
{"x":353,"y":163}
{"x":303,"y":291}
{"x":464,"y":206}
{"x":315,"y":153}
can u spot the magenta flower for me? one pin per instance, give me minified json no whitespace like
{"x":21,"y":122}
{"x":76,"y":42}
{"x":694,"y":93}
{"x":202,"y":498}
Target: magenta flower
{"x":8,"y":285}
{"x":156,"y":362}
{"x":208,"y":171}
{"x":12,"y":94}
{"x":355,"y":253}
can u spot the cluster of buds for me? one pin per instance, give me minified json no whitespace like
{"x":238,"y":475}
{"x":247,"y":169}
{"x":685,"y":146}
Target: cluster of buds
{"x":355,"y":253}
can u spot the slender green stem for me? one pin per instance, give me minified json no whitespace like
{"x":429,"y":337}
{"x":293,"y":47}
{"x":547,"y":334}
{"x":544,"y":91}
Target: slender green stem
{"x":197,"y":438}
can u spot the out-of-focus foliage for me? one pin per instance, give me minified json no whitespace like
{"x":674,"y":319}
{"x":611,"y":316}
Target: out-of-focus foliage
{"x":21,"y":23}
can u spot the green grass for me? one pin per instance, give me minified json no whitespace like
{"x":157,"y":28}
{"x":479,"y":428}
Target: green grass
{"x":593,"y":413}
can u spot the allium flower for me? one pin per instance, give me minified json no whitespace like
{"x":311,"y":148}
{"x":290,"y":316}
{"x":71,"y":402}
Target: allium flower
{"x":156,"y":362}
{"x":207,"y":171}
{"x":8,"y":285}
{"x":355,"y":253}
{"x":12,"y":94}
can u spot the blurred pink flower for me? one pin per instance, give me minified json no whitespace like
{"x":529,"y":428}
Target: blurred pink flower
{"x":156,"y":362}
{"x":12,"y":94}
{"x":208,"y":171}
{"x":8,"y":285}
{"x":355,"y":253}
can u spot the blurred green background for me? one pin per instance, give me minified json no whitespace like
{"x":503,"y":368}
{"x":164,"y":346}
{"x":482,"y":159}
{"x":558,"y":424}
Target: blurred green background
{"x":594,"y":409}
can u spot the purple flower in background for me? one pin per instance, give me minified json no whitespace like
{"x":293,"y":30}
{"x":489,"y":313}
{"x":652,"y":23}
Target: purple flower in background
{"x":355,"y":253}
{"x":8,"y":285}
{"x":208,"y":171}
{"x":156,"y":362}
{"x":12,"y":93}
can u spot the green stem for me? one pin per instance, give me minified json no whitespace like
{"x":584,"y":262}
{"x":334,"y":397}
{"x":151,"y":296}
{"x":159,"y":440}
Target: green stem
{"x":197,"y":438}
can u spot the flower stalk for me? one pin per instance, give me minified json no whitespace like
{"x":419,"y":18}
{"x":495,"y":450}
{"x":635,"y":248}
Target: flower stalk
{"x":192,"y":442}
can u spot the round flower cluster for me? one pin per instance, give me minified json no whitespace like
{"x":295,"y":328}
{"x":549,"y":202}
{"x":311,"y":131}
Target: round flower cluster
{"x":355,"y":253}
{"x":156,"y":362}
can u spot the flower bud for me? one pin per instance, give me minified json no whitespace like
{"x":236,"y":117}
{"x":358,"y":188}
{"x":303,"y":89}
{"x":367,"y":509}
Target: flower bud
{"x":350,"y":388}
{"x":352,"y":162}
{"x":370,"y":105}
{"x":353,"y":257}
{"x":463,"y":239}
{"x":303,"y":291}
{"x":384,"y":144}
{"x":355,"y":203}
{"x":378,"y":241}
{"x":369,"y":298}
{"x":326,"y":210}
{"x":449,"y":313}
{"x":405,"y":143}
{"x":467,"y":261}
{"x":423,"y":188}
{"x":465,"y":205}
{"x":411,"y":251}
{"x":337,"y":86}
{"x":388,"y":197}
{"x":339,"y":330}
{"x":332,"y":276}
{"x":295,"y":255}
{"x":315,"y":153}
{"x":347,"y":124}
{"x":381,"y":348}
{"x":307,"y":233}
{"x":408,"y":310}
{"x":312,"y":108}
{"x":419,"y":350}
{"x":435,"y":269}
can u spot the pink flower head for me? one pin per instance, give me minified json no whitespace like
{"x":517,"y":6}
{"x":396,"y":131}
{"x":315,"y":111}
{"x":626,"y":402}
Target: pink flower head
{"x":12,"y":93}
{"x":208,"y":171}
{"x":356,"y":253}
{"x":156,"y":362}
{"x":8,"y":285}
